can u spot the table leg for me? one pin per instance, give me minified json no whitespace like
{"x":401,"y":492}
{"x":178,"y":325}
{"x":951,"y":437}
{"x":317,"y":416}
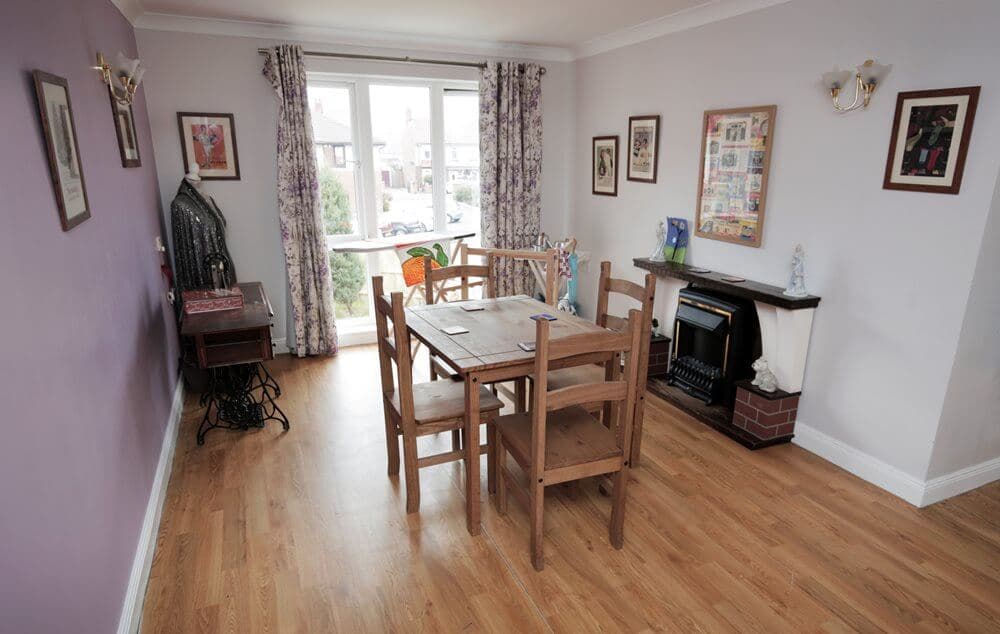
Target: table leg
{"x":472,"y":510}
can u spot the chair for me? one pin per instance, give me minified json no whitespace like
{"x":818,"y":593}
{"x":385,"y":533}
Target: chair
{"x":549,"y":257}
{"x":417,"y":410}
{"x":558,"y":441}
{"x":591,"y":373}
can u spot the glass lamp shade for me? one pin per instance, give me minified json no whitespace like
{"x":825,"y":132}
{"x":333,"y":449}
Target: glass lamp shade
{"x":836,"y":78}
{"x":873,"y":73}
{"x":127,"y":67}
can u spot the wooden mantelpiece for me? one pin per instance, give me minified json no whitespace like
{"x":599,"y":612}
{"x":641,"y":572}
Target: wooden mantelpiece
{"x":756,"y":291}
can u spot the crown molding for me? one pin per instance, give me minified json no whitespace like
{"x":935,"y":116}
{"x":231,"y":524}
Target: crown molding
{"x":346,"y":37}
{"x":710,"y":11}
{"x":131,"y":9}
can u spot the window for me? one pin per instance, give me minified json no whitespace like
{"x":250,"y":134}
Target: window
{"x":461,"y":141}
{"x":387,"y":169}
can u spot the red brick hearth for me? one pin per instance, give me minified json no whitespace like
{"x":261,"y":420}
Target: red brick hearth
{"x":765,"y":415}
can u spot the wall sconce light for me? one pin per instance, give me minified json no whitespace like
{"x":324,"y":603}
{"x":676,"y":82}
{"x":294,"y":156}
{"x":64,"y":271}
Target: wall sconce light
{"x":869,"y":75}
{"x":128,"y":73}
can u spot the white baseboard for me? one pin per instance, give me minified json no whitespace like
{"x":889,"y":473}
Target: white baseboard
{"x":958,"y":482}
{"x":917,"y":492}
{"x":859,"y":463}
{"x":280,"y":346}
{"x":128,"y":623}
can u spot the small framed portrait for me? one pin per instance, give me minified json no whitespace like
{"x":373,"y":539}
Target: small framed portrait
{"x":605,"y":165}
{"x":128,"y":145}
{"x":930,"y":140}
{"x":65,"y":167}
{"x":209,"y":139}
{"x":643,"y":147}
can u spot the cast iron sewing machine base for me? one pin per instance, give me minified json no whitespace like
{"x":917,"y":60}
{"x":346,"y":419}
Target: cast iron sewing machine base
{"x":240,"y":397}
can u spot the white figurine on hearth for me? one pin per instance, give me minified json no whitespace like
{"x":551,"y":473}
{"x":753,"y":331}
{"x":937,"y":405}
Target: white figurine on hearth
{"x":661,"y":244}
{"x":797,"y":280}
{"x":764,"y":379}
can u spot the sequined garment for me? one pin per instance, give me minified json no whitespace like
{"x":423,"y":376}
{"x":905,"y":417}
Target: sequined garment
{"x":199,"y":230}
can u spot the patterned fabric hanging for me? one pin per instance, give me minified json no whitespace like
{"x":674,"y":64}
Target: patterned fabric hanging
{"x":300,"y":206}
{"x":510,"y":147}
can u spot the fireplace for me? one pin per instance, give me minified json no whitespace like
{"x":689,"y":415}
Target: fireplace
{"x":721,"y":324}
{"x":715,"y":337}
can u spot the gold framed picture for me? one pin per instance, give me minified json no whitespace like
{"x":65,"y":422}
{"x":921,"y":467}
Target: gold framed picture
{"x":732,"y":185}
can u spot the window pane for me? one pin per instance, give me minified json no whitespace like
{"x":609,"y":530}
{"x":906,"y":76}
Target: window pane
{"x":401,"y":139}
{"x":333,"y":137}
{"x":350,"y":289}
{"x":461,"y":144}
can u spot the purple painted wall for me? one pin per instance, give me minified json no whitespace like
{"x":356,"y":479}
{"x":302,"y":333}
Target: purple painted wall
{"x":87,"y":368}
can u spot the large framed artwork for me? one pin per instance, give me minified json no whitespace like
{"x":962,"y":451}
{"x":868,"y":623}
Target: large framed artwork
{"x":643,"y":148}
{"x":930,"y":140}
{"x":209,"y":139}
{"x":65,"y":167}
{"x":128,"y":145}
{"x":732,"y":186}
{"x":605,"y":166}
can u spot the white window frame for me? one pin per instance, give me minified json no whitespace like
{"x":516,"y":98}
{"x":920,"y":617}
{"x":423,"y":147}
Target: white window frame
{"x":362,"y":329}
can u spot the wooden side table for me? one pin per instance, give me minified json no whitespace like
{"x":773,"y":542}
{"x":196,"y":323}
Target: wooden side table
{"x":233,"y":345}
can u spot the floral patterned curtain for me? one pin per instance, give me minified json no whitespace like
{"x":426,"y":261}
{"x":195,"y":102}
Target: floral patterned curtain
{"x":510,"y":146}
{"x":299,"y":206}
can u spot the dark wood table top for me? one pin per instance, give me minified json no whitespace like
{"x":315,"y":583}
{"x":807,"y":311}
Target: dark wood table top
{"x":494,"y":332}
{"x":748,"y":289}
{"x":256,"y":313}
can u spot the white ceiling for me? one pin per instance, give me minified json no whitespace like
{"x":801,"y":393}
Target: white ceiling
{"x":570,"y":27}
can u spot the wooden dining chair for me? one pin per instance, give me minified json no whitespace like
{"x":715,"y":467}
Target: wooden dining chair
{"x":549,"y":257}
{"x":438,"y":283}
{"x":558,"y":440}
{"x":414,"y":410}
{"x":607,"y":286}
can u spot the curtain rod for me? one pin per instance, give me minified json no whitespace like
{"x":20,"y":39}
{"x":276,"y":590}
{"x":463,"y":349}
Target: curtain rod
{"x":387,"y":58}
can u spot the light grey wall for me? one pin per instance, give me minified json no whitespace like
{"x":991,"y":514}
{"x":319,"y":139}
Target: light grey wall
{"x":894,"y":268}
{"x":970,"y":422}
{"x":210,"y":73}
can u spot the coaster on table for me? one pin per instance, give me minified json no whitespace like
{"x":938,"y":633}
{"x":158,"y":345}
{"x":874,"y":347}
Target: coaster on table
{"x":694,"y":270}
{"x":472,"y":307}
{"x":454,"y":330}
{"x":732,"y":278}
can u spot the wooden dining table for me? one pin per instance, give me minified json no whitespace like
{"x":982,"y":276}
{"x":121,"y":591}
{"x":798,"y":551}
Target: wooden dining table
{"x":488,"y":353}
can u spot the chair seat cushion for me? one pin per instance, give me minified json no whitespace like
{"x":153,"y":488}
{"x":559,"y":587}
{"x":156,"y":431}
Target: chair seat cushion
{"x":441,"y":400}
{"x":572,"y":437}
{"x":576,"y":375}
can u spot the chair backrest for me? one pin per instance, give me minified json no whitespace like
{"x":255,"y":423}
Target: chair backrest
{"x":642,"y":294}
{"x":619,"y":391}
{"x":394,"y":348}
{"x":549,"y":257}
{"x":461,"y":272}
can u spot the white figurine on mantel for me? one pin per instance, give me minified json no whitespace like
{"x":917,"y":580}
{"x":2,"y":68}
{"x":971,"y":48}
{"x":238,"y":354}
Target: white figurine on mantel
{"x":661,"y":244}
{"x":797,"y":280}
{"x":764,"y":379}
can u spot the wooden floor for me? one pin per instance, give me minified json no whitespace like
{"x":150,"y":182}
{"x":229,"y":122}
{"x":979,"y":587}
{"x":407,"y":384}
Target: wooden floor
{"x":303,"y":531}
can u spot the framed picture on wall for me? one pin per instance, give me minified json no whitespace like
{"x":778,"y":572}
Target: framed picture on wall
{"x":65,"y":167}
{"x":643,"y":147}
{"x":128,"y":145}
{"x":732,"y":185}
{"x":930,"y":140}
{"x":605,"y":166}
{"x":209,"y":139}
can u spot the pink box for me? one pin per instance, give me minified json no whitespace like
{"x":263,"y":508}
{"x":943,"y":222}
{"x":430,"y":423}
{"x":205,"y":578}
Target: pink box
{"x":207,"y":301}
